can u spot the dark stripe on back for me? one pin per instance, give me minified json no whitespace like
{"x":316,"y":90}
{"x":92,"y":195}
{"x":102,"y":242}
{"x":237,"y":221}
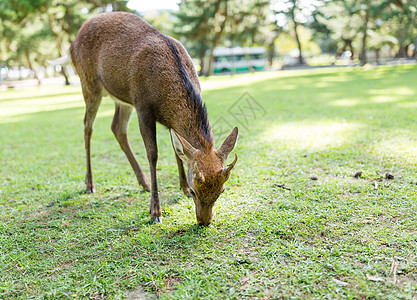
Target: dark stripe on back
{"x":196,"y":100}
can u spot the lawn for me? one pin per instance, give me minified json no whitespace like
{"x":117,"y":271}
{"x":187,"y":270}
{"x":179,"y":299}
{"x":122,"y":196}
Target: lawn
{"x":294,"y":221}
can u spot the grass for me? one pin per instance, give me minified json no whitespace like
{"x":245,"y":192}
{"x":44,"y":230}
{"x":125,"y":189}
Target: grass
{"x":334,"y":237}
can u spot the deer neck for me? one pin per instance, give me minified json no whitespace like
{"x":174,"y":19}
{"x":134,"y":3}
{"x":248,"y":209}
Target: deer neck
{"x":197,"y":136}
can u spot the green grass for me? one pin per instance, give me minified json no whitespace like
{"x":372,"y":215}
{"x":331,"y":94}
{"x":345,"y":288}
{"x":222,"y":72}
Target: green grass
{"x":335,"y":237}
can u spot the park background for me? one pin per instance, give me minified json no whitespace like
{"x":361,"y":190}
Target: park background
{"x":321,"y":204}
{"x":294,"y":32}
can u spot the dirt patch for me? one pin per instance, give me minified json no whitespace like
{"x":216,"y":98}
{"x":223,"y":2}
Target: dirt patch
{"x":170,"y":281}
{"x":138,"y":294}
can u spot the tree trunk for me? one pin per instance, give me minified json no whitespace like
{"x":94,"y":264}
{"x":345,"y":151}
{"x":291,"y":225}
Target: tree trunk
{"x":415,"y":47}
{"x":364,"y":38}
{"x":271,"y":50}
{"x":343,"y":49}
{"x":352,"y":54}
{"x":202,"y":56}
{"x":59,"y":42}
{"x":401,"y":52}
{"x":300,"y":55}
{"x":215,"y":43}
{"x":29,"y":62}
{"x":64,"y":72}
{"x":115,"y":6}
{"x":271,"y":53}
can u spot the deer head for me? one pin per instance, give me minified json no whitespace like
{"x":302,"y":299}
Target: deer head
{"x":206,"y":172}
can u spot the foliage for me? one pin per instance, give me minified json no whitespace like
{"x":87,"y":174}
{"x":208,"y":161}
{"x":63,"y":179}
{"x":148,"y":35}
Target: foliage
{"x":31,"y":27}
{"x":206,"y":23}
{"x":333,"y":237}
{"x":381,"y":26}
{"x":370,"y":24}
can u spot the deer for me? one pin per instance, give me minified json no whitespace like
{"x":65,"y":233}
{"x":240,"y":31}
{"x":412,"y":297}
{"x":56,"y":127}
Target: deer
{"x":145,"y":70}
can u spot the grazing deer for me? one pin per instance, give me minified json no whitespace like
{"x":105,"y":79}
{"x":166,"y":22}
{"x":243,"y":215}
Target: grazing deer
{"x":144,"y":69}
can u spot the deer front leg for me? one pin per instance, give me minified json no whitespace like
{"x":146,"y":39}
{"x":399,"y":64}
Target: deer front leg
{"x":183,"y":177}
{"x":148,"y":131}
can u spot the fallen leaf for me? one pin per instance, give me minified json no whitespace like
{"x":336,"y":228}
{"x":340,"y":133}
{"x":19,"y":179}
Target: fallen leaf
{"x":340,"y":282}
{"x":374,"y":278}
{"x":358,"y":174}
{"x":244,"y":280}
{"x":389,"y":176}
{"x":282,"y":186}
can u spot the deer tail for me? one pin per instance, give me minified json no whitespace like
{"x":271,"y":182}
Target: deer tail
{"x":64,"y":60}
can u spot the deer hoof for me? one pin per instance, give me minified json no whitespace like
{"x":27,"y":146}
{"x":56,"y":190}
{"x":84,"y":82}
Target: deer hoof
{"x":155,"y":220}
{"x":90,"y":190}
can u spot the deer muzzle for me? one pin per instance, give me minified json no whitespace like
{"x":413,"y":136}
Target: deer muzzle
{"x":203,"y":213}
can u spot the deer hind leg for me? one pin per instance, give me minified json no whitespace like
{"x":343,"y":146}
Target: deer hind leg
{"x":147,"y":127}
{"x":92,"y":98}
{"x":183,"y":177}
{"x":119,"y":127}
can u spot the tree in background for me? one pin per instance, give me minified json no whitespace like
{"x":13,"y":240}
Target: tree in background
{"x":65,"y":17}
{"x":353,"y":21}
{"x":341,"y":24}
{"x":292,"y":13}
{"x":196,"y":22}
{"x":14,"y":17}
{"x":31,"y":29}
{"x":212,"y":22}
{"x":245,"y":22}
{"x":400,"y":23}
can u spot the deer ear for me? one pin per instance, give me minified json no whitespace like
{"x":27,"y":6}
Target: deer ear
{"x":182,"y":148}
{"x":229,"y":144}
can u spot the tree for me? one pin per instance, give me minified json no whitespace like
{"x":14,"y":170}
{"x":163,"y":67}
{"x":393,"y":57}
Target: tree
{"x":215,"y":21}
{"x":196,"y":20}
{"x":28,"y":25}
{"x":352,"y":19}
{"x":400,"y":23}
{"x":66,"y":17}
{"x":292,"y":13}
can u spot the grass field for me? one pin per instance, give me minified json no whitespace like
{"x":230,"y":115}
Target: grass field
{"x":329,"y":235}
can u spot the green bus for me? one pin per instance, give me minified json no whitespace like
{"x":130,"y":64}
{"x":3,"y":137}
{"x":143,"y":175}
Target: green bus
{"x":239,"y":59}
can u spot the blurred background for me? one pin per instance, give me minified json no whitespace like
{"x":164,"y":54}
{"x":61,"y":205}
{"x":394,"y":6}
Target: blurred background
{"x":222,"y":36}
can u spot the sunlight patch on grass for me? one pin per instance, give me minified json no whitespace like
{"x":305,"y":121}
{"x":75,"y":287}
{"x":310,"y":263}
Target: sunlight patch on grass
{"x":384,"y":99}
{"x":219,"y":82}
{"x":33,"y":105}
{"x":348,"y":102}
{"x":400,"y":148}
{"x":105,"y":113}
{"x":386,"y":96}
{"x":314,"y":136}
{"x":13,"y":119}
{"x":412,"y":105}
{"x":30,"y":93}
{"x":399,"y":91}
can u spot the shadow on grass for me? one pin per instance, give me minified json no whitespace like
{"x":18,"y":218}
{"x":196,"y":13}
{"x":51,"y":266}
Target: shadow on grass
{"x":189,"y":230}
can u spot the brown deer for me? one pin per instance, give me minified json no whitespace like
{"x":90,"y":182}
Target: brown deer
{"x":144,"y":69}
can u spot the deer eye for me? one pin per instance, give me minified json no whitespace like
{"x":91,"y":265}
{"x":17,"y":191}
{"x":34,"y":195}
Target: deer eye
{"x":192,"y":192}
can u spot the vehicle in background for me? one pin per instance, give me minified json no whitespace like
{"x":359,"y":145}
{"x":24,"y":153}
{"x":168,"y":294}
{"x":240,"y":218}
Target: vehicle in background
{"x":239,"y":59}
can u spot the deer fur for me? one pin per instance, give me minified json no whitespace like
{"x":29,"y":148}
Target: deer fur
{"x":152,"y":73}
